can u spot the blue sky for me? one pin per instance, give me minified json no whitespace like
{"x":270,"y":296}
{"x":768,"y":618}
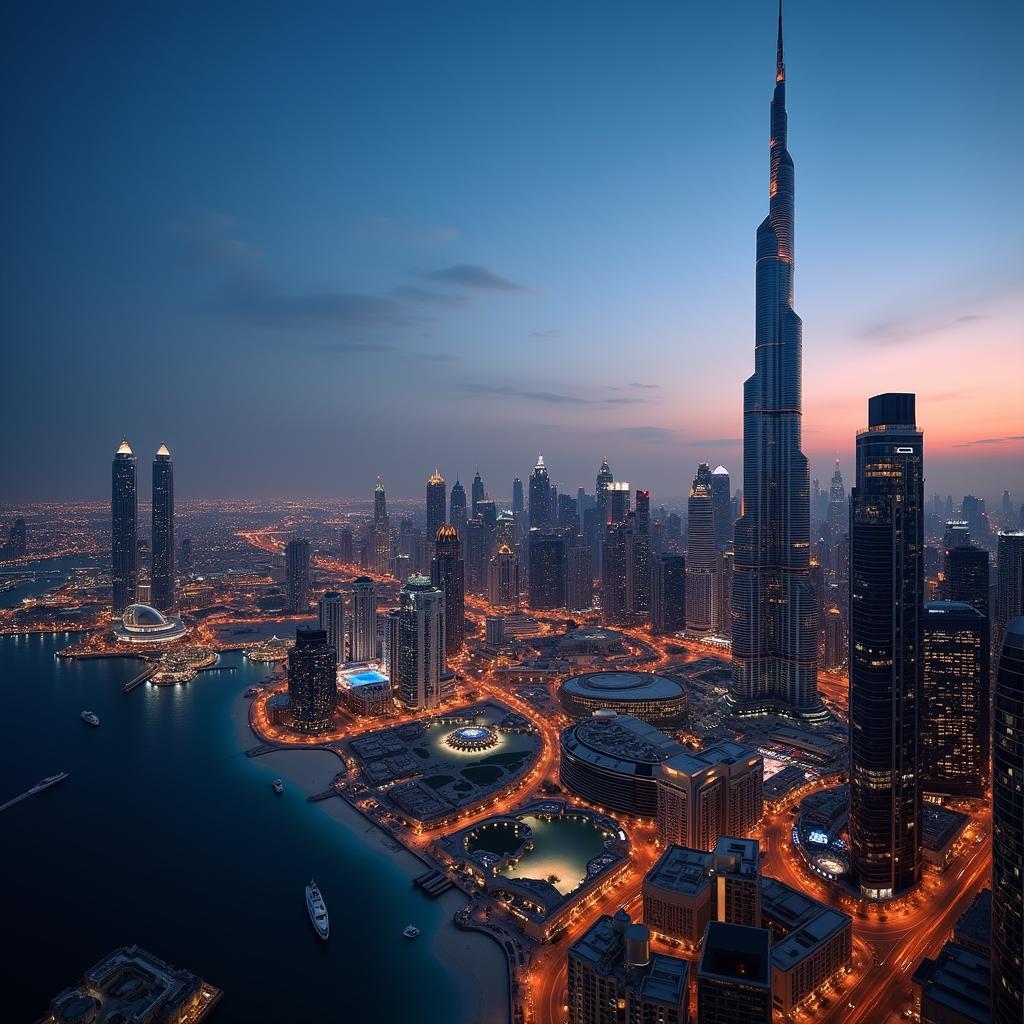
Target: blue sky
{"x":308,"y":243}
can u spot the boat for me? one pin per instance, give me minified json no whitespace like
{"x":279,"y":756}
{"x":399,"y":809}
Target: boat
{"x":50,"y":780}
{"x":278,"y":786}
{"x":317,"y":910}
{"x":410,"y":931}
{"x":91,"y":717}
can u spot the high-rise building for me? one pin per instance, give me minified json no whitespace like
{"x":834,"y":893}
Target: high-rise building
{"x":579,"y":578}
{"x":380,"y":532}
{"x":838,"y":510}
{"x":836,"y":644}
{"x":956,"y":534}
{"x":1008,"y":829}
{"x":436,"y":503}
{"x":701,"y":555}
{"x":331,"y":617}
{"x":457,"y":507}
{"x":546,"y":584}
{"x":448,"y":573}
{"x":668,"y":594}
{"x":417,"y":646}
{"x":364,"y":620}
{"x":886,"y":606}
{"x":476,"y":556}
{"x":966,"y":577}
{"x":161,"y":576}
{"x":297,"y":576}
{"x":477,"y":494}
{"x":710,"y":793}
{"x":973,"y":511}
{"x":721,"y":502}
{"x":312,"y":680}
{"x":605,"y":479}
{"x":617,"y":498}
{"x":614,"y":977}
{"x":734,"y":975}
{"x":1009,"y":581}
{"x":638,"y":559}
{"x":774,"y":626}
{"x":614,"y":570}
{"x":518,"y":504}
{"x":124,"y":566}
{"x":953,"y":743}
{"x":346,"y":550}
{"x":540,"y":497}
{"x":503,"y":579}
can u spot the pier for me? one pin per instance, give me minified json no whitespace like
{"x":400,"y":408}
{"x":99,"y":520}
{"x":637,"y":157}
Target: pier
{"x":37,"y":788}
{"x":139,"y":679}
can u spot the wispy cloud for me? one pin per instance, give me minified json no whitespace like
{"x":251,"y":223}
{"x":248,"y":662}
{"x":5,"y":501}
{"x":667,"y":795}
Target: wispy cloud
{"x":210,"y":240}
{"x":713,"y":442}
{"x":348,"y":348}
{"x":550,"y":332}
{"x":257,"y":299}
{"x":474,"y":275}
{"x":654,"y":435}
{"x":1011,"y":439}
{"x":550,"y":397}
{"x":634,"y":386}
{"x":899,"y":331}
{"x":437,"y":357}
{"x":389,"y":229}
{"x":413,"y":293}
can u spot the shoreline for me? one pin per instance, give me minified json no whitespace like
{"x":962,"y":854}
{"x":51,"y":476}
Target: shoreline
{"x":476,"y":962}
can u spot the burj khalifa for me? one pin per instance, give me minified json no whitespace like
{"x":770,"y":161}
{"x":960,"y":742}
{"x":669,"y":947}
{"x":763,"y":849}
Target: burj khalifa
{"x":775,"y":615}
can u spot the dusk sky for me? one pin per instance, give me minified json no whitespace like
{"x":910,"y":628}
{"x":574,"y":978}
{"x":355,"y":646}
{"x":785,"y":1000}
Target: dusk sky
{"x":306,"y":244}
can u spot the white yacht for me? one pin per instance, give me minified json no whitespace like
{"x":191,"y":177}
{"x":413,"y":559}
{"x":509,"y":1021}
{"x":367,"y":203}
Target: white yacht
{"x":317,"y":910}
{"x":410,"y":931}
{"x":91,"y":717}
{"x":278,"y":786}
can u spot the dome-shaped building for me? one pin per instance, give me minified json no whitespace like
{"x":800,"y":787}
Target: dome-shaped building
{"x":141,"y":624}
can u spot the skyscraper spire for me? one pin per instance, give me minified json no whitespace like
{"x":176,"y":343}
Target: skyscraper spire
{"x":780,"y":64}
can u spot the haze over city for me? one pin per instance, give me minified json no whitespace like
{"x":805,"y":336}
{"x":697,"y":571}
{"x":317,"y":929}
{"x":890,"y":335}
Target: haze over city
{"x":351,"y":244}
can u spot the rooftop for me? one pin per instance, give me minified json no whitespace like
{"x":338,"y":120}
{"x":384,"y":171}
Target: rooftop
{"x":960,"y":981}
{"x":733,"y":952}
{"x":681,"y":870}
{"x":620,"y":743}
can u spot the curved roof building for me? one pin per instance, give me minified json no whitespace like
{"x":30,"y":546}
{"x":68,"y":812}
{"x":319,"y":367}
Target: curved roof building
{"x":644,"y":695}
{"x":141,"y":624}
{"x":612,"y":760}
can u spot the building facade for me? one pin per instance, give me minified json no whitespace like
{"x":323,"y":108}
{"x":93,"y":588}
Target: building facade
{"x":312,"y":680}
{"x":701,"y":555}
{"x":417,"y":645}
{"x":546,"y":570}
{"x":540,"y":497}
{"x":364,"y":620}
{"x":668,"y":594}
{"x":331,"y":618}
{"x":886,"y":607}
{"x":1009,"y":581}
{"x":161,"y":576}
{"x":297,"y":576}
{"x":437,"y":501}
{"x":447,"y":572}
{"x":124,"y":541}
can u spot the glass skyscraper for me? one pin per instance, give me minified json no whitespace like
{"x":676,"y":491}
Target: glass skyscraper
{"x":886,"y":605}
{"x":774,"y":608}
{"x":162,"y":572}
{"x":448,"y":575}
{"x":436,"y":503}
{"x":1008,"y":830}
{"x":312,"y":680}
{"x":124,"y":570}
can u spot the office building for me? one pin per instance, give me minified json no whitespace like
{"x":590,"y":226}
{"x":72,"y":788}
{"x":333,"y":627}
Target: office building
{"x":161,"y":576}
{"x":1009,"y":581}
{"x":956,"y":534}
{"x":953,"y":988}
{"x":546,"y":584}
{"x":973,"y":511}
{"x":476,"y":548}
{"x":613,"y":977}
{"x":540,"y":497}
{"x":517,"y":496}
{"x":503,"y":579}
{"x":447,"y":572}
{"x":417,"y":645}
{"x":614,"y":609}
{"x":297,"y":576}
{"x":668,"y":594}
{"x":124,"y":570}
{"x":380,"y":533}
{"x":774,"y":624}
{"x":953,"y":744}
{"x":836,"y":644}
{"x":886,"y":607}
{"x":1008,"y":829}
{"x":364,"y":620}
{"x":457,"y":508}
{"x":579,"y":578}
{"x":312,"y":680}
{"x":734,"y":975}
{"x":617,"y":497}
{"x":436,"y":503}
{"x":346,"y":549}
{"x":477,"y":493}
{"x":331,"y":618}
{"x":721,"y":502}
{"x":966,"y":577}
{"x":706,"y":794}
{"x":701,"y":555}
{"x":838,"y":509}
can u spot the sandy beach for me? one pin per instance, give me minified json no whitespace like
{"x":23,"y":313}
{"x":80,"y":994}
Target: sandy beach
{"x":482,"y":973}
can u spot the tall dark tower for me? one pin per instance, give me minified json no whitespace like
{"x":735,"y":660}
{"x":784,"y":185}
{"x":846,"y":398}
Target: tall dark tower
{"x":312,"y":680}
{"x":605,"y":478}
{"x":457,"y":507}
{"x":517,"y":496}
{"x":886,"y":605}
{"x":477,"y":494}
{"x":447,"y":573}
{"x":162,"y":572}
{"x":721,"y":499}
{"x":540,"y":496}
{"x":436,"y":503}
{"x":774,"y":607}
{"x":124,"y":571}
{"x":1008,"y":830}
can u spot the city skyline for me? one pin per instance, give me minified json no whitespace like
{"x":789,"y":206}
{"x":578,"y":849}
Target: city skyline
{"x":299,"y":274}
